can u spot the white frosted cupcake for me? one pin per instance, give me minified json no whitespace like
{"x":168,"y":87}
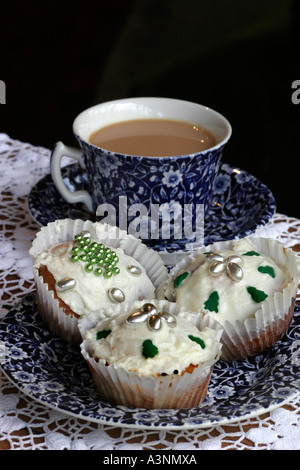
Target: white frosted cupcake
{"x":80,"y":267}
{"x":249,"y":286}
{"x":147,"y":356}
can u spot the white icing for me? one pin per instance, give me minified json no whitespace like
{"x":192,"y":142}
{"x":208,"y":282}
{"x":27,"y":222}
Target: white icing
{"x":176,"y":351}
{"x":90,"y":291}
{"x":235,"y":302}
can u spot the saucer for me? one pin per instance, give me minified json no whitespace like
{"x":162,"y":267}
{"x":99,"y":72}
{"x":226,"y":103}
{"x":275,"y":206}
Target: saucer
{"x":53,"y":372}
{"x":241,"y":205}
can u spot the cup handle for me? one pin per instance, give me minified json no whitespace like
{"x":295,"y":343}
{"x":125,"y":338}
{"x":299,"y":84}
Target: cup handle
{"x":60,"y":150}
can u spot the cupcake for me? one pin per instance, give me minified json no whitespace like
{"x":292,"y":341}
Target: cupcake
{"x":147,"y":356}
{"x":80,"y":267}
{"x":249,"y":286}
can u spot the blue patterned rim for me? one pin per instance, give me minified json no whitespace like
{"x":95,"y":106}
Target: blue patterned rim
{"x":241,"y":204}
{"x":53,"y":372}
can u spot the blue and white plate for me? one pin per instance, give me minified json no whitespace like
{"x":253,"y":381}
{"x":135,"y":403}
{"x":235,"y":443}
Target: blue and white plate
{"x":53,"y":372}
{"x":241,"y":204}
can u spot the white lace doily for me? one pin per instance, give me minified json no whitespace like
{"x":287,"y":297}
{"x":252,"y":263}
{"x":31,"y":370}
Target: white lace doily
{"x":26,"y":424}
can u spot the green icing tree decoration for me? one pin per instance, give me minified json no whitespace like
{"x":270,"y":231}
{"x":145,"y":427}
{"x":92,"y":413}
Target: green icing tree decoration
{"x":149,"y":349}
{"x":257,"y":295}
{"x":212,"y":302}
{"x":179,"y":279}
{"x":251,"y":253}
{"x":267,"y":270}
{"x":102,"y":334}
{"x":197,"y":340}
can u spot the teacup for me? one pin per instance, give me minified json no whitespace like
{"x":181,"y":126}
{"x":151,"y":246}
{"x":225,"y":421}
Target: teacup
{"x":161,"y":199}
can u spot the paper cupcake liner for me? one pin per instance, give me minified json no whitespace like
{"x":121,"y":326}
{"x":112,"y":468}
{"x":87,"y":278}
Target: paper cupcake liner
{"x":61,"y":231}
{"x":118,"y":386}
{"x":65,"y":326}
{"x":272,"y":318}
{"x":244,"y":340}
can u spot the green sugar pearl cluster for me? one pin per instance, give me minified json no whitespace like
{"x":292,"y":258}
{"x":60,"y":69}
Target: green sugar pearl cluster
{"x":97,"y":257}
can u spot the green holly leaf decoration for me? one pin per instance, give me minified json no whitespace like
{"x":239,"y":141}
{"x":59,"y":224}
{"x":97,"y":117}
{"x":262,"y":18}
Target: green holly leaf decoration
{"x":102,"y":334}
{"x":251,"y":253}
{"x":179,"y":279}
{"x":267,"y":270}
{"x":149,"y":349}
{"x":212,"y":302}
{"x":257,"y":295}
{"x":197,"y":340}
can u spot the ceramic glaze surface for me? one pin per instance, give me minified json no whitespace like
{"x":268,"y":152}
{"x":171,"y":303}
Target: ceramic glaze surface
{"x":240,"y":205}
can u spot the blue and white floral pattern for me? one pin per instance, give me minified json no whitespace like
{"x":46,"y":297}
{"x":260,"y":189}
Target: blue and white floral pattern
{"x":171,"y":178}
{"x":240,"y":204}
{"x":177,"y":177}
{"x":53,"y":372}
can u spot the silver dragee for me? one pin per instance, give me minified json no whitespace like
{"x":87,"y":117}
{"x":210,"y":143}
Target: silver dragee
{"x":65,"y":284}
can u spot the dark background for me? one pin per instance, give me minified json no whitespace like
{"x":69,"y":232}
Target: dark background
{"x":239,"y":57}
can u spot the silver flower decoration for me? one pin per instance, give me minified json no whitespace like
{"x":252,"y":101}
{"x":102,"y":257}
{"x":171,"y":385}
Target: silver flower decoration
{"x":231,"y":265}
{"x":149,"y":314}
